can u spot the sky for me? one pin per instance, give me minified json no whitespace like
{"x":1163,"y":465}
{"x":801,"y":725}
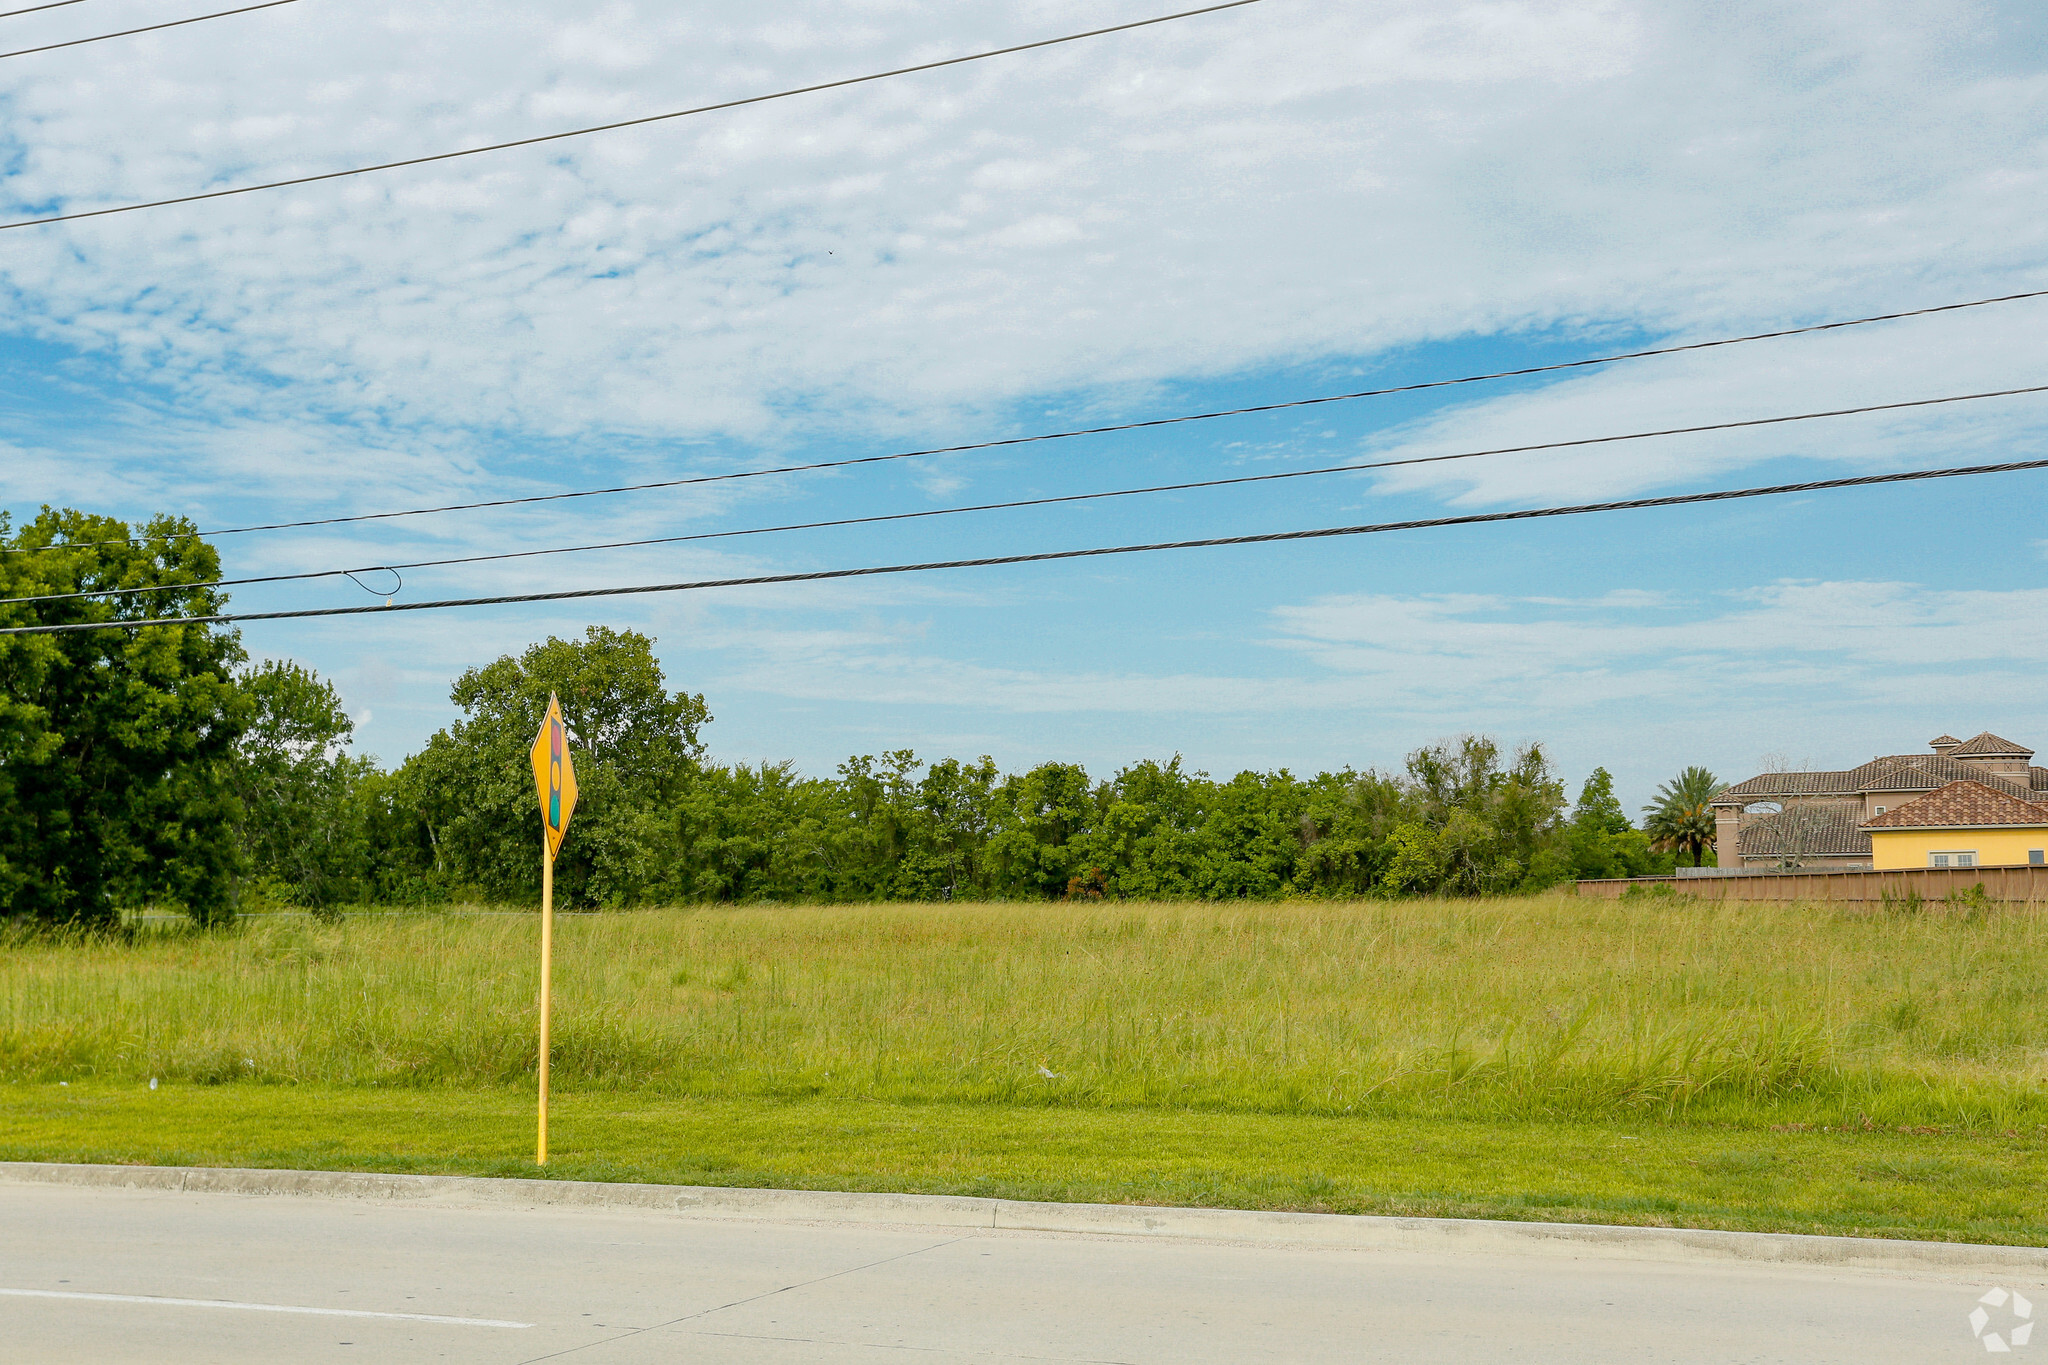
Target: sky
{"x":1291,"y":199}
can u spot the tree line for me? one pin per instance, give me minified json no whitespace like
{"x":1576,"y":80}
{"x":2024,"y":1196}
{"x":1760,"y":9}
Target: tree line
{"x":154,"y":765}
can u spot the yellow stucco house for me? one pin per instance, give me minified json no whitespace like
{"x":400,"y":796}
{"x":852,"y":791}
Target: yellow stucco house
{"x":1818,"y":819}
{"x":1963,"y":824}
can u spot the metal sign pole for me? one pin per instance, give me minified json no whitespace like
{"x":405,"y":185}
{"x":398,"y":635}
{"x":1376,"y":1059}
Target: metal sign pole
{"x":554,"y":782}
{"x":547,"y":953}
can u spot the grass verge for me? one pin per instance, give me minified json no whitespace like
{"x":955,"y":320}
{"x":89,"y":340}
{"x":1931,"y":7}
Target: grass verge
{"x":1533,"y":1009}
{"x":1973,"y":1185}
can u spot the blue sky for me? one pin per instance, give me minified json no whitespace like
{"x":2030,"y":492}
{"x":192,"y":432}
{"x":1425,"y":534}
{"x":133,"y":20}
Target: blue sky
{"x":1290,"y":199}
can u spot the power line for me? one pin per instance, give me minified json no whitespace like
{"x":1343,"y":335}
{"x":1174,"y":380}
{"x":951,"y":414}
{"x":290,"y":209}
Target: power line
{"x":1007,"y":506}
{"x":1045,"y":556}
{"x":36,"y":9}
{"x":150,"y":28}
{"x":1059,"y":435}
{"x":632,"y":122}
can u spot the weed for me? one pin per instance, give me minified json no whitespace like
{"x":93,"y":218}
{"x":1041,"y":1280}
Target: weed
{"x":1540,"y":1007}
{"x":1968,"y":898}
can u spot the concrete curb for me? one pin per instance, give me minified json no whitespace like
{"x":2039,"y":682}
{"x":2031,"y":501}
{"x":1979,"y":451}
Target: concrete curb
{"x":1356,"y":1232}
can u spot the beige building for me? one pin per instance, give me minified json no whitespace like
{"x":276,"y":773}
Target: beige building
{"x":1817,"y":819}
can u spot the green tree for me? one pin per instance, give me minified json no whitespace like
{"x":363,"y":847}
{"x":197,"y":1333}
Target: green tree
{"x":1602,"y":841}
{"x":750,"y":834}
{"x":635,"y":746}
{"x":1045,"y":816}
{"x":306,"y":827}
{"x":1599,"y":808}
{"x":1495,"y":828}
{"x":1680,"y":818}
{"x":1347,"y":830}
{"x":956,"y":804}
{"x":1414,"y":863}
{"x":116,"y":745}
{"x":1146,"y":842}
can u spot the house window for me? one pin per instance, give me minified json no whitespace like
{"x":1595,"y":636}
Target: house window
{"x":1955,"y":858}
{"x":1880,"y":810}
{"x":2037,"y":856}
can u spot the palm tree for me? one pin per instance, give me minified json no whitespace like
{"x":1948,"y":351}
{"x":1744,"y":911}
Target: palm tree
{"x":1680,"y":817}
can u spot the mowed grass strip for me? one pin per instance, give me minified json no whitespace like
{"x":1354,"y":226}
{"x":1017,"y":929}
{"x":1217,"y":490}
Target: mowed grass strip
{"x":1539,"y":1008}
{"x":1956,"y":1187}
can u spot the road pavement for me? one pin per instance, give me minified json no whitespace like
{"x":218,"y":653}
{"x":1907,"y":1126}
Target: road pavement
{"x":119,"y":1275}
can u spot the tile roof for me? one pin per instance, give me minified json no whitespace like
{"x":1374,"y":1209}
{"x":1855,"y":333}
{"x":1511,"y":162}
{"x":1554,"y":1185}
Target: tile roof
{"x":1804,"y":831}
{"x":1940,"y":740}
{"x":1962,"y":805}
{"x":1885,"y":773}
{"x":1920,"y":772}
{"x":1925,"y":772}
{"x":1768,"y":785}
{"x":1985,"y":744}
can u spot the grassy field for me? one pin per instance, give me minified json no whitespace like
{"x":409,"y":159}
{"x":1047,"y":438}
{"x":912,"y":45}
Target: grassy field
{"x":1806,"y":1067}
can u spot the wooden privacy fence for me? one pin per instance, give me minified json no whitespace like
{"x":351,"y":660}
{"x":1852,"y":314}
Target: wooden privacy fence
{"x":2021,"y":884}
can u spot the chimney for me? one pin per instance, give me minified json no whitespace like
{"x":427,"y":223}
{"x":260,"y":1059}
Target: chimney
{"x":1944,"y":744}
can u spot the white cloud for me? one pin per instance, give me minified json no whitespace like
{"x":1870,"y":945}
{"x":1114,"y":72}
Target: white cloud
{"x":1098,"y":229}
{"x":1455,"y":655}
{"x":1842,"y":670}
{"x":1980,"y":351}
{"x":1285,"y":181}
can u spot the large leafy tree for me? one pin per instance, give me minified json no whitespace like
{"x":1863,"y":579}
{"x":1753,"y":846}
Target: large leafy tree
{"x":115,"y":744}
{"x":309,"y":828}
{"x":1044,"y":816}
{"x":635,"y":747}
{"x":1680,"y":818}
{"x":1603,"y":843}
{"x":1493,"y":826}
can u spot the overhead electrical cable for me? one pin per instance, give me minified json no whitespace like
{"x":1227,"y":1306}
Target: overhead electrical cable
{"x":1057,"y":435}
{"x":1044,"y":556}
{"x":148,"y":28}
{"x":37,"y":9}
{"x":632,"y":122}
{"x":1237,"y":479}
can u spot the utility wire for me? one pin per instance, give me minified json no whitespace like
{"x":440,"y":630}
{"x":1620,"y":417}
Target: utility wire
{"x":1058,"y":435}
{"x":37,"y":9}
{"x":393,"y":569}
{"x":1268,"y":538}
{"x":150,"y":28}
{"x":631,"y":122}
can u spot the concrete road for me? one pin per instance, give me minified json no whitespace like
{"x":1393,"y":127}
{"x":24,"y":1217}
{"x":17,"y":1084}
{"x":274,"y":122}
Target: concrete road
{"x":110,"y":1275}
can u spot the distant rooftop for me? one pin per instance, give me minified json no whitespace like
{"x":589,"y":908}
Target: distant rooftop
{"x":1988,"y":745}
{"x":1962,"y":805}
{"x":1804,"y":832}
{"x":1923,"y":772}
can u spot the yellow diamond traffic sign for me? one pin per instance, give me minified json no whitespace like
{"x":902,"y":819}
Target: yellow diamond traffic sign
{"x":554,"y":777}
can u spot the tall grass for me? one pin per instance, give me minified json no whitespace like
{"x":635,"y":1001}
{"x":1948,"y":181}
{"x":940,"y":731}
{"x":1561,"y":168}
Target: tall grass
{"x":1546,"y":1006}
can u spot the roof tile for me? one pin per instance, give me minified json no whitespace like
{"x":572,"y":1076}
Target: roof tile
{"x":1987,"y":745}
{"x":1885,"y":773}
{"x":1804,"y":831}
{"x":1925,"y":772}
{"x":1962,"y":805}
{"x":1767,"y":785}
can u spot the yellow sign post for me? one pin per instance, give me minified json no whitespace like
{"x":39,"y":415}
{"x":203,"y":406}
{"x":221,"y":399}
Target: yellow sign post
{"x":554,"y":777}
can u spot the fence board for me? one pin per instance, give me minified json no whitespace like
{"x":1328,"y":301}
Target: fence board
{"x":2019,"y":884}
